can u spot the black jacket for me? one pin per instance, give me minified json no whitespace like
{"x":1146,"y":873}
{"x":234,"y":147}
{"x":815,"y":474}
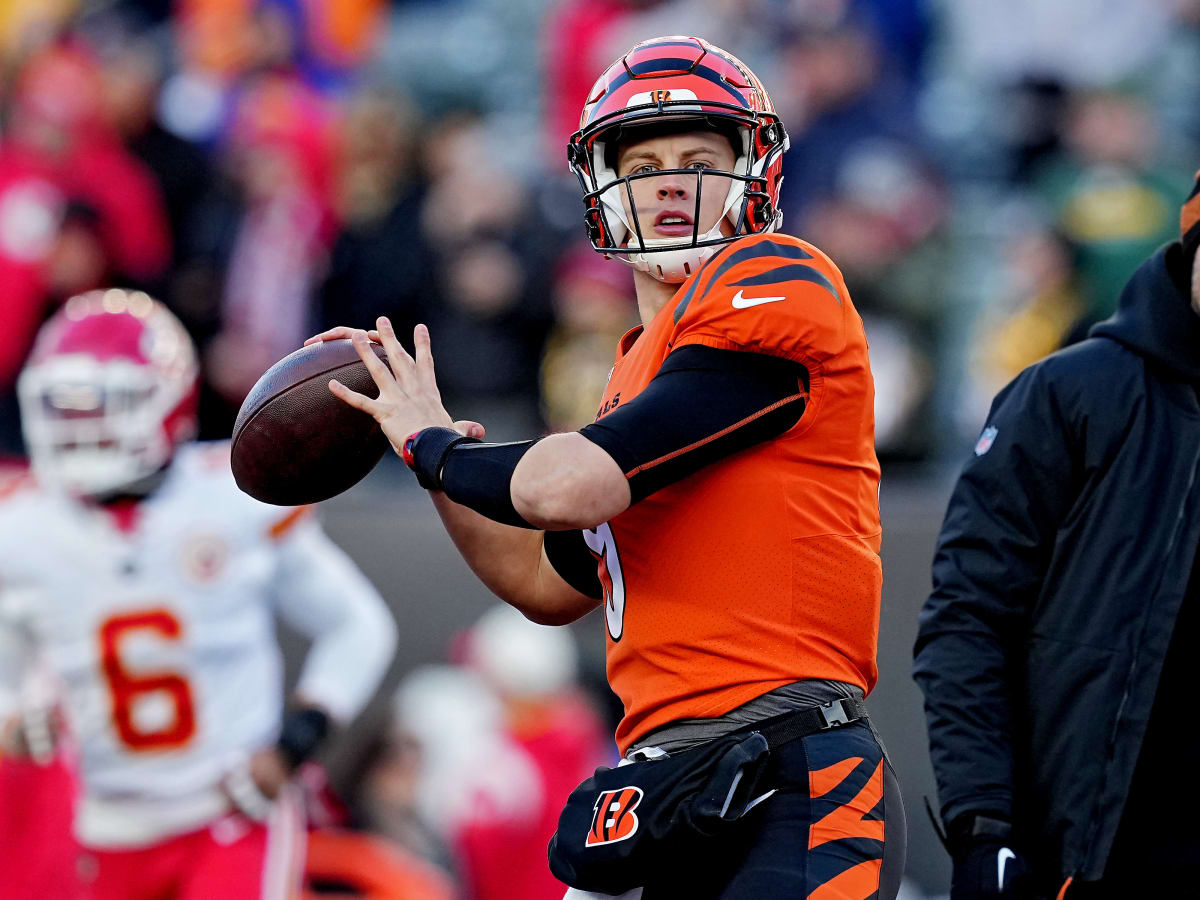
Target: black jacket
{"x":1059,"y":572}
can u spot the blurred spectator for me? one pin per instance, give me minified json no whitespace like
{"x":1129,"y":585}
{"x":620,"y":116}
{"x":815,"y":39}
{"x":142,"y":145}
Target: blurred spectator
{"x":577,"y":42}
{"x":200,"y":199}
{"x":55,"y":128}
{"x":532,"y":669}
{"x":492,"y":749}
{"x":1111,"y":190}
{"x":1040,"y":308}
{"x":380,"y":263}
{"x":75,"y":206}
{"x":841,"y":95}
{"x":340,"y":861}
{"x":884,"y":221}
{"x":1010,"y":41}
{"x":280,"y":154}
{"x":324,"y":41}
{"x":132,"y":72}
{"x":593,"y":306}
{"x":489,"y":251}
{"x":79,"y":259}
{"x":25,"y":26}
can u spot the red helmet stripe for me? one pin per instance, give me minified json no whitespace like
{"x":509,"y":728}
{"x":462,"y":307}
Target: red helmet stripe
{"x":699,"y":80}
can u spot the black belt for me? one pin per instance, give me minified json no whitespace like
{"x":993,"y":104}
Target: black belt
{"x":809,"y":720}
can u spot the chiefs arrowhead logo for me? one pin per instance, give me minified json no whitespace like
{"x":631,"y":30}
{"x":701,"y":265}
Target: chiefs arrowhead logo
{"x":613,"y":818}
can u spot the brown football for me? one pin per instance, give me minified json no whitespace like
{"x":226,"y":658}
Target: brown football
{"x":294,"y":442}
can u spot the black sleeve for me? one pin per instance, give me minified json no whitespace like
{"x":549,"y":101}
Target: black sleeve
{"x":574,"y":562}
{"x":992,"y":554}
{"x":703,"y":405}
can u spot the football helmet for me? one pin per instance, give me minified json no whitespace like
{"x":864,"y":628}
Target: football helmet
{"x":109,"y":391}
{"x":665,"y":81}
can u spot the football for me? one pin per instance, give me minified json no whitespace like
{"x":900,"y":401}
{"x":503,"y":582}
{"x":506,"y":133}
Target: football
{"x":294,"y":442}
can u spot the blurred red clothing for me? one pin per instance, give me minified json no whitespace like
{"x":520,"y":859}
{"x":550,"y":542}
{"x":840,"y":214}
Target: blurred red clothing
{"x":55,"y":131}
{"x":505,"y":857}
{"x":39,"y":855}
{"x":576,"y":46}
{"x":57,"y":152}
{"x":33,"y":196}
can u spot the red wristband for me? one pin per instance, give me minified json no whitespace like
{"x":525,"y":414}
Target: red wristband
{"x":406,"y":450}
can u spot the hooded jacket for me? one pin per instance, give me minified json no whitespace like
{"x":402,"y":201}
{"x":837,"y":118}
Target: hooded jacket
{"x":1058,"y":576}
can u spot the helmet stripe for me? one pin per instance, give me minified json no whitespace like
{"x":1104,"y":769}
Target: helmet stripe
{"x":700,"y":71}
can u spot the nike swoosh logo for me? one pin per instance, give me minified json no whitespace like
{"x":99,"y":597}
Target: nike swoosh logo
{"x":1002,"y":859}
{"x":740,"y":302}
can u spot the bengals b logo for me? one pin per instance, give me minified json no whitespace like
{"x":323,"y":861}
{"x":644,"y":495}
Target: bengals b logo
{"x":660,"y":96}
{"x":613,"y":818}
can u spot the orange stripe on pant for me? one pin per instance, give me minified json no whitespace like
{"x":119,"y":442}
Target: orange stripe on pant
{"x":855,"y":883}
{"x":847,"y":821}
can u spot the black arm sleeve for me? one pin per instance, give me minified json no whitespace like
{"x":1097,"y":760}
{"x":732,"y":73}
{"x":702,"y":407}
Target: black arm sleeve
{"x":574,"y":562}
{"x":703,"y":405}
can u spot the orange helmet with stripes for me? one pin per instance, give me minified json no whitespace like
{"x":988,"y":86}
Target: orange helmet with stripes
{"x":665,"y":81}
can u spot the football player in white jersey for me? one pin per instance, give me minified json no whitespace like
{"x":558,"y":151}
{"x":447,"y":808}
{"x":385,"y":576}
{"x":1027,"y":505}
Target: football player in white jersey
{"x":133,"y":566}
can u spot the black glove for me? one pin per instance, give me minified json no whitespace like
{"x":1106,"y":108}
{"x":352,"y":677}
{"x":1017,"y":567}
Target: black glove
{"x":985,"y":862}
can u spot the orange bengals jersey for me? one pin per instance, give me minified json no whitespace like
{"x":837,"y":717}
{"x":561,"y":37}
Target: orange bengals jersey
{"x":763,"y":568}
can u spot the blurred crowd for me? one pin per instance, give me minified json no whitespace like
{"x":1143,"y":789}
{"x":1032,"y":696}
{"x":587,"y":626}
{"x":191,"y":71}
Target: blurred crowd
{"x":986,"y":175}
{"x":272,"y":167}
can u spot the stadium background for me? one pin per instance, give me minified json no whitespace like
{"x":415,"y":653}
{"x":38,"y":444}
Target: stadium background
{"x":985,"y":174}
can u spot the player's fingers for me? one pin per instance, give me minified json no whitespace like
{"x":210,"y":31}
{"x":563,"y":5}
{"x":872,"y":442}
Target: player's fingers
{"x":401,"y":363}
{"x":337,"y":333}
{"x":469,"y":429}
{"x":423,"y":352}
{"x":378,"y":371}
{"x":353,"y":398}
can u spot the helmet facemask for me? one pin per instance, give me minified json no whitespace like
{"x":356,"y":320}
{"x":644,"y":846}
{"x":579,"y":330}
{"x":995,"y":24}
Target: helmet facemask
{"x":96,"y":427}
{"x":747,"y":208}
{"x":109,"y":392}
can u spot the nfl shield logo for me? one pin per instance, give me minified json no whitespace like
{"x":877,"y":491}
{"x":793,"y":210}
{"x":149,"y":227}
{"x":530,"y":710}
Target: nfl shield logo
{"x":984,"y":444}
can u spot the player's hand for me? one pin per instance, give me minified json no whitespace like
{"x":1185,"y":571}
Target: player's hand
{"x":408,"y":399}
{"x":270,"y":772}
{"x":32,"y":734}
{"x":989,"y":869}
{"x":253,"y":784}
{"x":340,"y":333}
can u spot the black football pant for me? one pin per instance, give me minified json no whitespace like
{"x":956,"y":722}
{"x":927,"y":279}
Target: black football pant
{"x":835,"y":830}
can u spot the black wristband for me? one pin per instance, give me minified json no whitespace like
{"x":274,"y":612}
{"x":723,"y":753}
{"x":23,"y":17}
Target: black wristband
{"x":302,"y":733}
{"x":427,"y":454}
{"x":479,"y":476}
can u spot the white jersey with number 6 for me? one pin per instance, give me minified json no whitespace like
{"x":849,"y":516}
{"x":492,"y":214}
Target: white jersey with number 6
{"x":159,"y":624}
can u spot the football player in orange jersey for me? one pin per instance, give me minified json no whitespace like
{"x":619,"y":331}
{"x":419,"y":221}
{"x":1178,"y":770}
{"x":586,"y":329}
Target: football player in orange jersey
{"x":723,"y":507}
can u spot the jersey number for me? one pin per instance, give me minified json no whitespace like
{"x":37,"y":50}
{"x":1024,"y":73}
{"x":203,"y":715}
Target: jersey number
{"x":126,"y":687}
{"x":603,"y":545}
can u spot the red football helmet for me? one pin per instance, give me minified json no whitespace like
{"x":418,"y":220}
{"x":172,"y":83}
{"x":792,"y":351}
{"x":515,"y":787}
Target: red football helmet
{"x":670,"y":80}
{"x":109,"y":392}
